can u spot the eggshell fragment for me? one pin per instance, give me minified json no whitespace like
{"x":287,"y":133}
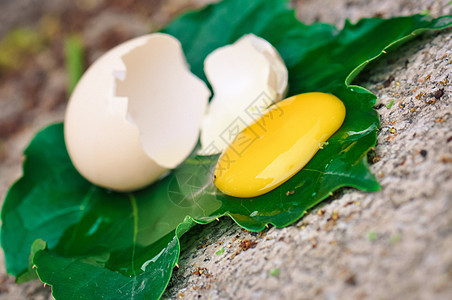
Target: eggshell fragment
{"x":247,"y":77}
{"x":135,"y":114}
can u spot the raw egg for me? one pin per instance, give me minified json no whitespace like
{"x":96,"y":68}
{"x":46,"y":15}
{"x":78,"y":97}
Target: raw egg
{"x":278,"y":145}
{"x":138,"y":111}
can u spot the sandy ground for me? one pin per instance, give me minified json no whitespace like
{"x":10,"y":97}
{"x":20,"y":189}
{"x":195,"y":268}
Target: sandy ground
{"x":394,"y":244}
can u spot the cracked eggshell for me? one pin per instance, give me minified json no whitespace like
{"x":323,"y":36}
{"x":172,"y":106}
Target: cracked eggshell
{"x":135,"y":113}
{"x":247,"y":77}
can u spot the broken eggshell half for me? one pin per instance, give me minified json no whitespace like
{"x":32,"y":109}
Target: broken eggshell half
{"x":246,"y":77}
{"x":135,"y":113}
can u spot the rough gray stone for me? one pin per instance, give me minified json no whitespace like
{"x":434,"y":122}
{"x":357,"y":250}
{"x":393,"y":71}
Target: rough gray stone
{"x":393,"y":244}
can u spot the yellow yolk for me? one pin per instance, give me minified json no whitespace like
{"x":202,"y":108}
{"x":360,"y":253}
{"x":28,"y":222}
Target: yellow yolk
{"x":278,"y":145}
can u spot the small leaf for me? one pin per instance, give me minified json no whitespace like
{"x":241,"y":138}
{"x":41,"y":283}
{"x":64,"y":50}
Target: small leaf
{"x":73,"y":48}
{"x":372,"y":236}
{"x":31,"y":273}
{"x":274,"y":272}
{"x":396,"y":238}
{"x":390,"y":104}
{"x":221,"y":251}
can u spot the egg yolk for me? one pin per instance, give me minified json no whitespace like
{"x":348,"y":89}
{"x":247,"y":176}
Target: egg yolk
{"x":278,"y":145}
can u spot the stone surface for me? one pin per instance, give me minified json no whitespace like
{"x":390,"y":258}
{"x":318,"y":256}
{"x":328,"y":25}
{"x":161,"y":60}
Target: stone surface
{"x":393,"y":244}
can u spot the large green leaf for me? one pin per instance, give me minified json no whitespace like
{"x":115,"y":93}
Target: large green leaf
{"x":92,"y":243}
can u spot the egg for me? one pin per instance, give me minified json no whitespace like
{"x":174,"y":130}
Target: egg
{"x":246,"y":78}
{"x":135,"y":114}
{"x":278,"y":145}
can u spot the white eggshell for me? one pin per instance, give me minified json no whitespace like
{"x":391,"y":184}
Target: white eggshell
{"x":135,"y":114}
{"x":247,"y":77}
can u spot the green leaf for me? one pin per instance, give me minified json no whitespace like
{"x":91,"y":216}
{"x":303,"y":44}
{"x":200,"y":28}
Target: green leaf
{"x":220,"y":24}
{"x":31,"y":273}
{"x":318,"y":56}
{"x":137,"y":273}
{"x":73,"y":50}
{"x":274,"y":272}
{"x":113,"y":237}
{"x":372,"y":236}
{"x":390,"y":104}
{"x":92,"y":243}
{"x":395,"y":238}
{"x":219,"y":252}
